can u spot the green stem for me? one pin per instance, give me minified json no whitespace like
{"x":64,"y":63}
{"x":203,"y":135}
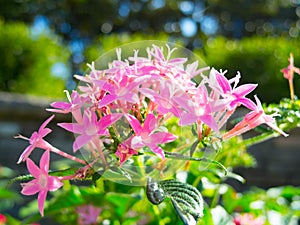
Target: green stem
{"x":216,"y":197}
{"x":259,"y":138}
{"x":187,"y":158}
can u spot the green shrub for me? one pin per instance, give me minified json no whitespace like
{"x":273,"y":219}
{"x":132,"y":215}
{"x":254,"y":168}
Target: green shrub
{"x":26,"y":62}
{"x":259,"y":59}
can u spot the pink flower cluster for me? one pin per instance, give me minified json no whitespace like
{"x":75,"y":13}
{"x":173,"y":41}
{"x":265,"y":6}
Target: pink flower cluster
{"x":121,"y":111}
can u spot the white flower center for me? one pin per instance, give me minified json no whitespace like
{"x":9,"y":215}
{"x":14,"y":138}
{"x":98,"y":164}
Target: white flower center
{"x":43,"y":180}
{"x":91,"y":130}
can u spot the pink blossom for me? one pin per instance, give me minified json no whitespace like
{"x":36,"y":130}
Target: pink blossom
{"x":88,"y":214}
{"x":289,"y":71}
{"x":192,"y":70}
{"x":147,"y":135}
{"x":203,"y":110}
{"x":73,"y":106}
{"x":247,"y":219}
{"x":90,"y":128}
{"x":252,"y":120}
{"x":235,"y":95}
{"x":42,"y":182}
{"x":165,"y":66}
{"x":125,"y":151}
{"x":36,"y":140}
{"x":122,"y":89}
{"x":288,"y":74}
{"x":170,"y":98}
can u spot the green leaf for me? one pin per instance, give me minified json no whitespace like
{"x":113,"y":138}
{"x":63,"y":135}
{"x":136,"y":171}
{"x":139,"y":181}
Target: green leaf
{"x":185,"y":198}
{"x":74,"y":197}
{"x":12,"y":221}
{"x":207,"y":218}
{"x":6,"y":194}
{"x":95,"y":177}
{"x":123,"y":202}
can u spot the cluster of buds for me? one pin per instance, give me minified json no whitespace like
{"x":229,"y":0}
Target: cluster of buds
{"x":121,"y":113}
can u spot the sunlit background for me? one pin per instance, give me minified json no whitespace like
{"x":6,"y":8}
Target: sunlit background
{"x":251,"y":36}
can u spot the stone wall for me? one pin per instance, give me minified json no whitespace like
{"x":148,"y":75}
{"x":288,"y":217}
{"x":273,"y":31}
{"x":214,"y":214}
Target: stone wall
{"x":21,"y":114}
{"x":278,"y":160}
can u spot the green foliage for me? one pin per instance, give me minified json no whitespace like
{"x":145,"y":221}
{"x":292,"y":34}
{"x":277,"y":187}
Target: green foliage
{"x":288,"y":111}
{"x":281,"y":200}
{"x":82,"y":18}
{"x":259,"y":59}
{"x":27,"y":61}
{"x":119,"y":204}
{"x":7,"y":197}
{"x":234,"y":154}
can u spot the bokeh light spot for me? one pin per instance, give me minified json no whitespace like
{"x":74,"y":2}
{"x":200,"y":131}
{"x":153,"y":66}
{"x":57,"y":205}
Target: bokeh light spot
{"x":188,"y":27}
{"x":209,"y":25}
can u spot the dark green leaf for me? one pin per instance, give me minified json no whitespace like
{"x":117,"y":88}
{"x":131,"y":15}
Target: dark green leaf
{"x":185,"y":198}
{"x":95,"y":177}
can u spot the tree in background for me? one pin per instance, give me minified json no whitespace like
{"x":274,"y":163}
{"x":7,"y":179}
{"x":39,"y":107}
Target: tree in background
{"x":83,"y":19}
{"x":83,"y":25}
{"x":30,"y":64}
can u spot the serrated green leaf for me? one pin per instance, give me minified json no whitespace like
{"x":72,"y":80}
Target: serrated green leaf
{"x":186,"y":199}
{"x":186,"y":217}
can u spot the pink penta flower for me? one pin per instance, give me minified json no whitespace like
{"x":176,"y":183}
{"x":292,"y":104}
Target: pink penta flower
{"x":42,"y":182}
{"x":90,"y":128}
{"x":203,"y":110}
{"x":88,"y":214}
{"x":288,"y":74}
{"x":254,"y":119}
{"x":125,"y":151}
{"x":73,"y":106}
{"x":235,"y":95}
{"x":289,"y":71}
{"x":147,"y":135}
{"x":36,"y":140}
{"x":122,"y":89}
{"x":166,"y":62}
{"x":169,"y":98}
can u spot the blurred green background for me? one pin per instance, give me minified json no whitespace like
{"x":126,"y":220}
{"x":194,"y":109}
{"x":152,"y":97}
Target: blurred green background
{"x":44,"y":42}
